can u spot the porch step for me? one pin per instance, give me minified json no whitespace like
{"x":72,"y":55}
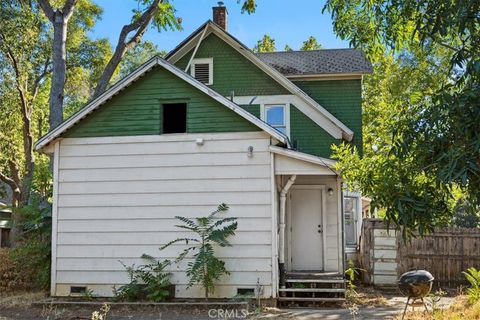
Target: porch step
{"x":315,"y":280}
{"x":329,"y":290}
{"x":307,"y":299}
{"x":310,"y":289}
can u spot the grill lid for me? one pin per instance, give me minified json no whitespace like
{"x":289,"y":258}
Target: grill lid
{"x":416,"y":276}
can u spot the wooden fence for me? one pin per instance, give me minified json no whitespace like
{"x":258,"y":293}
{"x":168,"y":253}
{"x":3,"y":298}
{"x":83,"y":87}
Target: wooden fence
{"x":445,"y":254}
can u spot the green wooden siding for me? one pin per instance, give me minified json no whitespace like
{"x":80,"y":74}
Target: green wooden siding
{"x":307,"y":136}
{"x":232,"y":71}
{"x":342,"y":98}
{"x":137,"y":110}
{"x":253,"y":109}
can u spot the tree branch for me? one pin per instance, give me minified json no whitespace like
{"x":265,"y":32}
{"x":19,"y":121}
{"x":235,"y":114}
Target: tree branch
{"x":47,"y":10}
{"x":68,"y":9}
{"x":40,"y":77}
{"x":8,"y":181}
{"x":123,"y":45}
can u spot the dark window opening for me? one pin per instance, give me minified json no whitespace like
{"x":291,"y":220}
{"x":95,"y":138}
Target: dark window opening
{"x":246,"y":291}
{"x":78,"y":290}
{"x":175,"y":118}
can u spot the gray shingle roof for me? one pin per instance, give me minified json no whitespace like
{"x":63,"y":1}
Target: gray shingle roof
{"x":326,"y":61}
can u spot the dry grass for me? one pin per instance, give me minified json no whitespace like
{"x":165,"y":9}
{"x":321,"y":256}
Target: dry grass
{"x":460,"y":310}
{"x":366,"y":297}
{"x":20,"y":299}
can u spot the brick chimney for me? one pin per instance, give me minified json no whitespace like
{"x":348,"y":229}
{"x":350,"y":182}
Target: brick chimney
{"x":220,"y":15}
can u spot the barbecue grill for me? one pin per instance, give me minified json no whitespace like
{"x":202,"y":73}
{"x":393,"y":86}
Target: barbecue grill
{"x":415,"y":285}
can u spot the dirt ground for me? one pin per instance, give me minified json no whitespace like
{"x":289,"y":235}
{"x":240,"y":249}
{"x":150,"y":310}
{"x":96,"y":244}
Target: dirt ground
{"x":369,"y":305}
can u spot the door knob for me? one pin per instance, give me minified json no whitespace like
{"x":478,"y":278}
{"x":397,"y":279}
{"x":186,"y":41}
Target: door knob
{"x":320,"y":228}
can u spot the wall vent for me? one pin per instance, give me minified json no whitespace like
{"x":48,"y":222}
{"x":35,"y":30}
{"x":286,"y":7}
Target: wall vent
{"x":77,"y":290}
{"x":246,"y":291}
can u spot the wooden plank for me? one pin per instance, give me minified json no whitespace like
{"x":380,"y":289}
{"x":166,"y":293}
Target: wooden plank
{"x":330,"y":290}
{"x":165,"y":160}
{"x":135,"y":251}
{"x":165,"y":173}
{"x":152,"y":225}
{"x":187,"y":186}
{"x":115,"y":264}
{"x":152,"y":238}
{"x":178,"y":277}
{"x":159,"y":212}
{"x":141,"y":199}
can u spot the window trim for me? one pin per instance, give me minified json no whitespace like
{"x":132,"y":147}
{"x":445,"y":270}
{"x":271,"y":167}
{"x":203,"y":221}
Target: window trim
{"x":263,"y":114}
{"x":357,"y":219}
{"x":208,"y":61}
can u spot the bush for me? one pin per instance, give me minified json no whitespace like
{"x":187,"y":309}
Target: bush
{"x":32,"y":259}
{"x":147,"y":282}
{"x":10,"y":278}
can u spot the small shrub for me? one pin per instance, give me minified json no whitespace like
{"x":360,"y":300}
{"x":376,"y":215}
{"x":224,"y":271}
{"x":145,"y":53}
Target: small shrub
{"x":473,"y":277}
{"x":147,"y":282}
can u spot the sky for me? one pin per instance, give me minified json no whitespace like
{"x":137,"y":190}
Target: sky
{"x":288,"y":22}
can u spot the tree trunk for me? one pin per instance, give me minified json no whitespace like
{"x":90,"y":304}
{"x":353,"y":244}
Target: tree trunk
{"x":59,"y":69}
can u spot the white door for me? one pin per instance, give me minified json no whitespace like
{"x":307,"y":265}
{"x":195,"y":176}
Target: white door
{"x":306,"y":229}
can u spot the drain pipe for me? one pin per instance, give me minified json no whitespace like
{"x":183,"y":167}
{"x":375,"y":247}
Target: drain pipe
{"x":281,"y":254}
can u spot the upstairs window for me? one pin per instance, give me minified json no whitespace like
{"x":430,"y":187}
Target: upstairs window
{"x":175,"y":118}
{"x":202,"y":70}
{"x":276,"y":116}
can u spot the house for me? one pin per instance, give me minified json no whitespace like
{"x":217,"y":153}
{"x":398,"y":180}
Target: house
{"x":211,"y":123}
{"x":5,"y":224}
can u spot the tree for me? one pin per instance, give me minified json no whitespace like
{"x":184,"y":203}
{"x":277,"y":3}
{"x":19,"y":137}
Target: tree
{"x":206,"y":267}
{"x":287,"y":48}
{"x":159,"y":13}
{"x":392,"y":182}
{"x":137,"y":56}
{"x":25,"y":79}
{"x":310,"y":44}
{"x":440,"y":138}
{"x":266,"y":44}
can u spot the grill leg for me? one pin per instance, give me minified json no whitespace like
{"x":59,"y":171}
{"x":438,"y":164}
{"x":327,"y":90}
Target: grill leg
{"x":405,"y":310}
{"x":425,"y":305}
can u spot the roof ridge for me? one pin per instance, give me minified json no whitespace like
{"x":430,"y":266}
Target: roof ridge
{"x":320,"y":50}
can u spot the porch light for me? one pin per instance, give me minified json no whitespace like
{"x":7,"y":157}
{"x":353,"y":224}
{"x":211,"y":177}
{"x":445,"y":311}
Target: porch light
{"x":330,"y":191}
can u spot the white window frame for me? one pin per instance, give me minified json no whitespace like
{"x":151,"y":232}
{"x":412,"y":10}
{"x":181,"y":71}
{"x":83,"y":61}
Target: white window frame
{"x":286,"y":114}
{"x":208,"y":61}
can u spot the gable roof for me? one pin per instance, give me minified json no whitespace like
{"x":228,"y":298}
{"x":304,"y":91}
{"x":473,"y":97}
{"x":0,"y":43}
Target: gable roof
{"x":137,"y":74}
{"x":318,"y":62}
{"x":308,"y":106}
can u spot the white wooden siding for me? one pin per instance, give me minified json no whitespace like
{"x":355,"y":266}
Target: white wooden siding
{"x":118,"y":196}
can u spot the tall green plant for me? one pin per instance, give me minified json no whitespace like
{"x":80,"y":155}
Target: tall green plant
{"x":473,"y":277}
{"x":205,"y":268}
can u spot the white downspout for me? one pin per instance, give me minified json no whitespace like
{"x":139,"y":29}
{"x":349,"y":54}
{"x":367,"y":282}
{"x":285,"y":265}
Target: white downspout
{"x":281,"y":240}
